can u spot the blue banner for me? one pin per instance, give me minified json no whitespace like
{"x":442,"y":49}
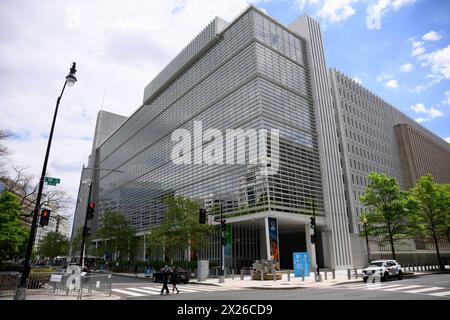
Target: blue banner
{"x":301,"y":262}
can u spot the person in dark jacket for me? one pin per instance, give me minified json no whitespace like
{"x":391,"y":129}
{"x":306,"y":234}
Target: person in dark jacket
{"x":174,"y":279}
{"x":165,"y":279}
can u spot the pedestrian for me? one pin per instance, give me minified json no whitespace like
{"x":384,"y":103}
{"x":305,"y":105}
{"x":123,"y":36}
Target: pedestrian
{"x":165,"y":279}
{"x":174,"y":279}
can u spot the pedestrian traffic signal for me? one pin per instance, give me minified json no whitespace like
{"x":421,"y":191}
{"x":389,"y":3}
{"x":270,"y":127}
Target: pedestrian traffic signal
{"x":313,"y":223}
{"x":202,"y":216}
{"x":45,"y":217}
{"x":90,"y":210}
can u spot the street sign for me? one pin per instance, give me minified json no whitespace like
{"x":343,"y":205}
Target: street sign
{"x":52,"y":181}
{"x":301,"y":262}
{"x":210,"y":219}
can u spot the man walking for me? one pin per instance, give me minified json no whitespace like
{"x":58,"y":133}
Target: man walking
{"x":165,"y":279}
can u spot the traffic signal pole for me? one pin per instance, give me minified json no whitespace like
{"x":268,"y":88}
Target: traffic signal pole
{"x":83,"y":238}
{"x":314,"y":234}
{"x":222,"y":247}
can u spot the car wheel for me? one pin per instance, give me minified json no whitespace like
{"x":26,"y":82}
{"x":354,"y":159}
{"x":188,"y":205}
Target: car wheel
{"x":385,"y":277}
{"x":365,"y":280}
{"x":400,"y":275}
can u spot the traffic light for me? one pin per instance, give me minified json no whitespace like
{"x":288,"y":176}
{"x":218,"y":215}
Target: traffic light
{"x":222,"y":225}
{"x":90,"y":210}
{"x":45,"y":217}
{"x":313,"y":223}
{"x":313,"y":238}
{"x":202,"y":216}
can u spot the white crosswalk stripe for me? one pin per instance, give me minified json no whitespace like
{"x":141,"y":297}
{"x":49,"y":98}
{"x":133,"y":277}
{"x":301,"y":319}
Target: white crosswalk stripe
{"x":403,"y":288}
{"x":156,"y":290}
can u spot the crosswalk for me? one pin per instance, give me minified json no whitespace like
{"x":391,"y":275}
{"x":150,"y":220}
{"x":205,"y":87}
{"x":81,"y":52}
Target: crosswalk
{"x":142,"y":291}
{"x":404,"y":288}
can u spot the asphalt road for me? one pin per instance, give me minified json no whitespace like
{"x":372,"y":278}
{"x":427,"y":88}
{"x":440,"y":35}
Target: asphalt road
{"x":429,"y":287}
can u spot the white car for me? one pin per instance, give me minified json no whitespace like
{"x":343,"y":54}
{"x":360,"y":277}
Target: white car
{"x":384,"y":269}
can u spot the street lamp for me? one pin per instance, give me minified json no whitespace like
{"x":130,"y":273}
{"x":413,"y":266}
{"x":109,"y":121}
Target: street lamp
{"x":364,"y":221}
{"x":21,"y":291}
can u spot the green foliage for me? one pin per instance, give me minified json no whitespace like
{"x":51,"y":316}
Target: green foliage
{"x":432,"y":218}
{"x":390,"y":209}
{"x":118,"y":234}
{"x":13,"y":233}
{"x":89,"y":246}
{"x":180,"y":228}
{"x":53,"y":244}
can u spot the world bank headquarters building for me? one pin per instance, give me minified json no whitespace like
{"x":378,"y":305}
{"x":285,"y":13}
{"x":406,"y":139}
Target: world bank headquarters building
{"x":321,"y":134}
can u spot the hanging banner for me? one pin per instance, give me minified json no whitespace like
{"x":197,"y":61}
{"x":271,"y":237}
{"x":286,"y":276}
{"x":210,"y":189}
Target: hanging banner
{"x":228,"y":245}
{"x":272,"y":225}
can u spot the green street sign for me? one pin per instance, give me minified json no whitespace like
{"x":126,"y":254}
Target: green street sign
{"x":52,"y":181}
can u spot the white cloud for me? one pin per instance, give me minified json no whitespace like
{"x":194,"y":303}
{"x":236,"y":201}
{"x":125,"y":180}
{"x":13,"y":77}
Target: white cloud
{"x":407,"y":67}
{"x":418,"y":51}
{"x":420,"y":120}
{"x":420,"y":88}
{"x":447,"y":98}
{"x":336,"y":10}
{"x":439,"y":61}
{"x":429,"y":112}
{"x":391,"y":84}
{"x":431,"y":36}
{"x":115,"y":44}
{"x":384,"y":76}
{"x":447,"y":139}
{"x":357,"y":80}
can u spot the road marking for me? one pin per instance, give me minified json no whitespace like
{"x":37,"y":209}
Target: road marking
{"x":130,"y":293}
{"x":425,"y":290}
{"x":384,"y":287}
{"x":403,"y":288}
{"x":440,"y":294}
{"x":194,"y":287}
{"x":144,"y":290}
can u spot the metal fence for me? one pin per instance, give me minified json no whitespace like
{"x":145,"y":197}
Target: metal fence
{"x":58,"y":283}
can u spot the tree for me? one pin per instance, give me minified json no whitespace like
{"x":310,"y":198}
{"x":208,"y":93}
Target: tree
{"x":13,"y":233}
{"x":118,"y":234}
{"x":89,"y":246}
{"x":23,"y":185}
{"x":389,"y":209}
{"x":180,"y":228}
{"x":434,"y":207}
{"x":4,"y":135}
{"x":52,"y":245}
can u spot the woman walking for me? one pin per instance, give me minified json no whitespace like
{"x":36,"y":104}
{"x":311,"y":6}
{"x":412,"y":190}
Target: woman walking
{"x":174,"y":279}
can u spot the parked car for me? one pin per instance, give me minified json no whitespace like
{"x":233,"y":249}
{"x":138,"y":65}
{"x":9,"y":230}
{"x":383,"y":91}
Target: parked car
{"x":384,"y":269}
{"x":183,"y":275}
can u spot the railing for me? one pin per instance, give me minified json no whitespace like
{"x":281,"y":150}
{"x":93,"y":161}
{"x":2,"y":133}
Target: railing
{"x":58,"y":283}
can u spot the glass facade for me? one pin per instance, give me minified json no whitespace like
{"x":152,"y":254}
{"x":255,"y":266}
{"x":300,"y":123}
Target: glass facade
{"x":255,"y":76}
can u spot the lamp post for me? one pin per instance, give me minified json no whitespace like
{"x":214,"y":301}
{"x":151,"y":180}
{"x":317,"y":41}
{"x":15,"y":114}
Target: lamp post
{"x":364,"y":221}
{"x":21,"y":291}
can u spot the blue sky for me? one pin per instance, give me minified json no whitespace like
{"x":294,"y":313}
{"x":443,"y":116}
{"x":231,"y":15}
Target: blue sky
{"x":376,"y":56}
{"x":120,"y":46}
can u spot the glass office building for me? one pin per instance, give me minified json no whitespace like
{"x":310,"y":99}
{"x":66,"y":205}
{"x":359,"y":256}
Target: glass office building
{"x":251,"y":73}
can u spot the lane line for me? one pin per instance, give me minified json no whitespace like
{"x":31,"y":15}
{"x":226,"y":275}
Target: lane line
{"x":130,"y":293}
{"x":425,"y":289}
{"x":144,"y":291}
{"x":403,"y":288}
{"x":440,"y":294}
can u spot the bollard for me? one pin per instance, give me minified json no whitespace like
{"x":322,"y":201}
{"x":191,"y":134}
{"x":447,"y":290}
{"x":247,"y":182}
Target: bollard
{"x":303,"y":275}
{"x":409,"y":268}
{"x":232,"y":274}
{"x":325,"y":274}
{"x":289,"y":275}
{"x":356,"y":273}
{"x":242,"y":274}
{"x":333,"y":274}
{"x":349,"y":276}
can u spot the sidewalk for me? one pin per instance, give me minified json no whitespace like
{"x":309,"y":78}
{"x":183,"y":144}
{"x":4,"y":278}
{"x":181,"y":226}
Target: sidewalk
{"x":49,"y":297}
{"x":294,"y":283}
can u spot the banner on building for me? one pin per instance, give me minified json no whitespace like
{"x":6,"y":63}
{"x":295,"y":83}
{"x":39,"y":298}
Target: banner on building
{"x":273,"y":243}
{"x":228,"y":245}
